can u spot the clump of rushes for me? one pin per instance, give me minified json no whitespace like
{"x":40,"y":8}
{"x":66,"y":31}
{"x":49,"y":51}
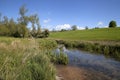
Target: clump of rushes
{"x":62,"y":58}
{"x":58,"y":58}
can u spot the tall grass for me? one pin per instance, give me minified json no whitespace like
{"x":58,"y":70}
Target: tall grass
{"x":28,"y":59}
{"x":23,"y":59}
{"x":47,"y":45}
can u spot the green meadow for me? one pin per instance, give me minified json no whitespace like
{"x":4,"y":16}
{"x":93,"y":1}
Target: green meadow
{"x":102,"y":34}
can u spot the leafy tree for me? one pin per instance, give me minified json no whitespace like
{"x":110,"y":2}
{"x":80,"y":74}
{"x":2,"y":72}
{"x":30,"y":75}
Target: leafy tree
{"x":86,"y":27}
{"x":74,"y":27}
{"x":23,"y":18}
{"x":38,"y":26}
{"x":23,"y":21}
{"x":12,"y":27}
{"x":63,"y":30}
{"x":4,"y":31}
{"x":19,"y":29}
{"x":112,"y":24}
{"x":0,"y":18}
{"x":32,"y":19}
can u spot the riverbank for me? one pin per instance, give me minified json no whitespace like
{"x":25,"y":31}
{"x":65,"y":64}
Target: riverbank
{"x":108,"y":48}
{"x":75,"y":73}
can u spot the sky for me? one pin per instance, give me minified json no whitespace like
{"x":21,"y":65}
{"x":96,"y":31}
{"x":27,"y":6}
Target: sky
{"x":62,"y":14}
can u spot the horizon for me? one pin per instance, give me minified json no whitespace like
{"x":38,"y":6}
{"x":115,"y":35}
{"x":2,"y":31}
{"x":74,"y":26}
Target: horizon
{"x":62,"y":14}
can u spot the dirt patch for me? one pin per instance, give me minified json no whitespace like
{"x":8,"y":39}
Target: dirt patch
{"x":76,"y":73}
{"x":70,"y":73}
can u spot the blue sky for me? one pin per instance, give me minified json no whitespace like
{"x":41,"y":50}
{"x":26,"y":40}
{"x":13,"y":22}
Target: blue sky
{"x":60,"y":14}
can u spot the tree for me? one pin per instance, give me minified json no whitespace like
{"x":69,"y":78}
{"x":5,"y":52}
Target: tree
{"x":32,"y":19}
{"x":38,"y":26}
{"x":12,"y":27}
{"x":5,"y":20}
{"x":23,"y":18}
{"x":0,"y":18}
{"x":86,"y":27}
{"x":23,"y":21}
{"x":74,"y":27}
{"x":112,"y":24}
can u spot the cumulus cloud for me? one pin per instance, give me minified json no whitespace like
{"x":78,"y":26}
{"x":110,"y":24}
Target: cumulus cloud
{"x":64,"y":26}
{"x":105,"y":27}
{"x":80,"y":28}
{"x":67,"y":27}
{"x":46,"y":20}
{"x":100,"y":23}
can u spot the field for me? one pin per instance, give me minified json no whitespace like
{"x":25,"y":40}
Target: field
{"x":88,"y":35}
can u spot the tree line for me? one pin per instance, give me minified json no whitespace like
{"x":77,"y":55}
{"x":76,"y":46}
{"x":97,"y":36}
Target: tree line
{"x":10,"y":27}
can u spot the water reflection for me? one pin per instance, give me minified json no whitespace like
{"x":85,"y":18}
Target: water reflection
{"x":93,"y":62}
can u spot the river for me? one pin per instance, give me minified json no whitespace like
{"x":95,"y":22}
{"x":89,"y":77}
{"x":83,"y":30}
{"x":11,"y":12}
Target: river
{"x":94,"y":63}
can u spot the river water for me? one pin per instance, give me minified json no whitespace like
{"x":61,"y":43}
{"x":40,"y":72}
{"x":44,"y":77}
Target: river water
{"x":96,"y":63}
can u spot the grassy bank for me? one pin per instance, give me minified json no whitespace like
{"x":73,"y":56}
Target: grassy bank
{"x":109,"y":50}
{"x":88,"y":35}
{"x":27,"y":59}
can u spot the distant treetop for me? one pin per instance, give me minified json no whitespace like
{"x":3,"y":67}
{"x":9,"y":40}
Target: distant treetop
{"x":112,"y":24}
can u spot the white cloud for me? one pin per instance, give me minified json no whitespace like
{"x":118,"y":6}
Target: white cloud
{"x":80,"y":28}
{"x":64,"y":26}
{"x":46,"y":20}
{"x":100,"y":23}
{"x":67,"y":27}
{"x":105,"y":27}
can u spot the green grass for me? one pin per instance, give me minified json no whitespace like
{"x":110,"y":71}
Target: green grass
{"x":28,"y":59}
{"x":91,"y":34}
{"x":24,"y":59}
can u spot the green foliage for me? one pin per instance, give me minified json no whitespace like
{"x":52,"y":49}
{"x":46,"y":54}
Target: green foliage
{"x":86,"y":27}
{"x":43,"y":34}
{"x":46,"y":33}
{"x":4,"y":31}
{"x":19,"y":29}
{"x":112,"y":24}
{"x":23,"y":18}
{"x":74,"y":27}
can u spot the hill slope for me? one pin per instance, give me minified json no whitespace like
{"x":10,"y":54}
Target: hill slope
{"x":92,"y":34}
